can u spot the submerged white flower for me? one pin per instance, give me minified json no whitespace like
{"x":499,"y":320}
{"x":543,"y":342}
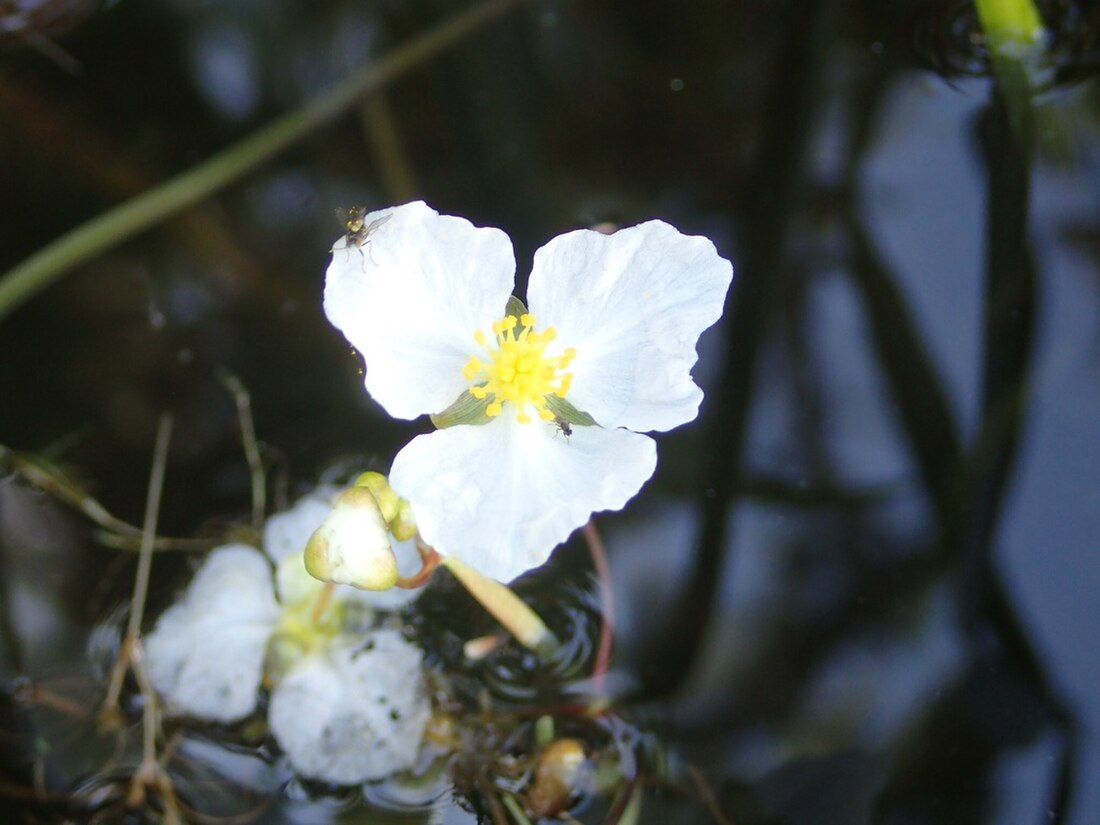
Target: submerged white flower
{"x":353,"y":712}
{"x":206,"y":655}
{"x":608,"y":340}
{"x":237,"y":626}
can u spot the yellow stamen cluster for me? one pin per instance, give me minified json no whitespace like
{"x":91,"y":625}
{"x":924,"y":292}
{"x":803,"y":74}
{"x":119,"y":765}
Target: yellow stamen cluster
{"x":518,"y":370}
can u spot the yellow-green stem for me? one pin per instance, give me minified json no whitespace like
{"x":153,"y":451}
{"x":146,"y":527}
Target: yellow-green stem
{"x":506,"y":607}
{"x":124,"y":221}
{"x":519,"y":816}
{"x":1015,"y":33}
{"x":1010,"y":23}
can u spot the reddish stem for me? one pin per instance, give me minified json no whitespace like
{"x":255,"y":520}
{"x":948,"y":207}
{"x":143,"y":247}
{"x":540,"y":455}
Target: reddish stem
{"x":429,"y":560}
{"x":607,"y":605}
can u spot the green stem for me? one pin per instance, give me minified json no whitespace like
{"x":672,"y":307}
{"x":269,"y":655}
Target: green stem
{"x":515,"y":809}
{"x":1010,"y":24}
{"x":1015,"y":32}
{"x":124,"y":221}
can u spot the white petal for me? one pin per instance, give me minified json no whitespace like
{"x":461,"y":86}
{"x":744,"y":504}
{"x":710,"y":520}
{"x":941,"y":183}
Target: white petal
{"x":412,"y":298}
{"x":205,"y":656}
{"x":502,"y":496}
{"x":353,"y":713}
{"x":293,"y":584}
{"x":633,"y":304}
{"x":288,"y":532}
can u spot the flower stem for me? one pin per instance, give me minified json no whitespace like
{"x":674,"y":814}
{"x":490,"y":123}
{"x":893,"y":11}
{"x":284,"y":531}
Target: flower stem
{"x":515,"y":809}
{"x":126,"y":220}
{"x":324,"y":599}
{"x":607,"y":606}
{"x":507,"y":608}
{"x":429,"y":560}
{"x":1010,"y":23}
{"x":1016,"y":37}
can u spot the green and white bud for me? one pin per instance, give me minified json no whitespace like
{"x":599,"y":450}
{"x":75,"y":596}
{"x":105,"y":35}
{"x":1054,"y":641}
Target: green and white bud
{"x":352,"y":546}
{"x":395,"y":510}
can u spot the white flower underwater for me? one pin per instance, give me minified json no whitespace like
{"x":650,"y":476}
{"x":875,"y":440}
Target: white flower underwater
{"x":355,"y":712}
{"x":206,"y":655}
{"x":237,"y":627}
{"x":608,"y":340}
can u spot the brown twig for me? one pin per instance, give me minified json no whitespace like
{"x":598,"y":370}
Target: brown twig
{"x":706,"y":795}
{"x":119,"y":534}
{"x":243,"y":402}
{"x":145,"y":564}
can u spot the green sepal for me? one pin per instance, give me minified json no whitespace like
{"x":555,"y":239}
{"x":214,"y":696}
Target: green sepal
{"x":466,"y":410}
{"x":470,"y":410}
{"x":564,"y":411}
{"x":515,"y":307}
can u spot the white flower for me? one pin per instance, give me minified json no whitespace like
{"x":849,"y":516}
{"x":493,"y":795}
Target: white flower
{"x":353,"y":712}
{"x":206,"y":655}
{"x":425,"y":305}
{"x":236,"y":625}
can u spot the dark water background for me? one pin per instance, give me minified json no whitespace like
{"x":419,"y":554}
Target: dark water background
{"x":861,"y":588}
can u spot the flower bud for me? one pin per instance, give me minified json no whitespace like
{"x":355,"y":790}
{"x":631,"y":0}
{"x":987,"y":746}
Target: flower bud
{"x":403,"y":526}
{"x":352,"y":546}
{"x":396,"y":511}
{"x":559,"y":775}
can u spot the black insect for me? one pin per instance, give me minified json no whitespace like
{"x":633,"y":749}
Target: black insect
{"x":564,"y":426}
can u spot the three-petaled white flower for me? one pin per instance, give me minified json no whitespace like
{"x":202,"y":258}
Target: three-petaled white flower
{"x":603,"y":353}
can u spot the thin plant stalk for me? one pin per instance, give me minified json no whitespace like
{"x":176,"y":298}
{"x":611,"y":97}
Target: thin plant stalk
{"x":1010,"y":24}
{"x":126,"y":220}
{"x":324,"y":599}
{"x":519,"y":816}
{"x":706,"y":795}
{"x":607,"y":606}
{"x":117,"y":533}
{"x":384,"y":135}
{"x":243,"y":402}
{"x":506,"y":607}
{"x":1016,"y":35}
{"x":151,"y":773}
{"x":145,"y":565}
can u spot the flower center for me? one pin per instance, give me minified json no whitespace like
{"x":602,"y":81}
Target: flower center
{"x":517,"y":369}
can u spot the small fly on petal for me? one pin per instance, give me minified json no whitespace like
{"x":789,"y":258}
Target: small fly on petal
{"x":563,"y":426}
{"x":359,"y":232}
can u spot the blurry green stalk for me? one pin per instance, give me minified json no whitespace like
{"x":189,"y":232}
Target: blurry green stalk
{"x":42,"y":268}
{"x":1016,"y":38}
{"x":1010,"y":25}
{"x":507,"y":608}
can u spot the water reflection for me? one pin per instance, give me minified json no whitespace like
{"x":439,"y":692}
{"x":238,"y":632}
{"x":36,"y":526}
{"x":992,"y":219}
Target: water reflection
{"x":819,"y":604}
